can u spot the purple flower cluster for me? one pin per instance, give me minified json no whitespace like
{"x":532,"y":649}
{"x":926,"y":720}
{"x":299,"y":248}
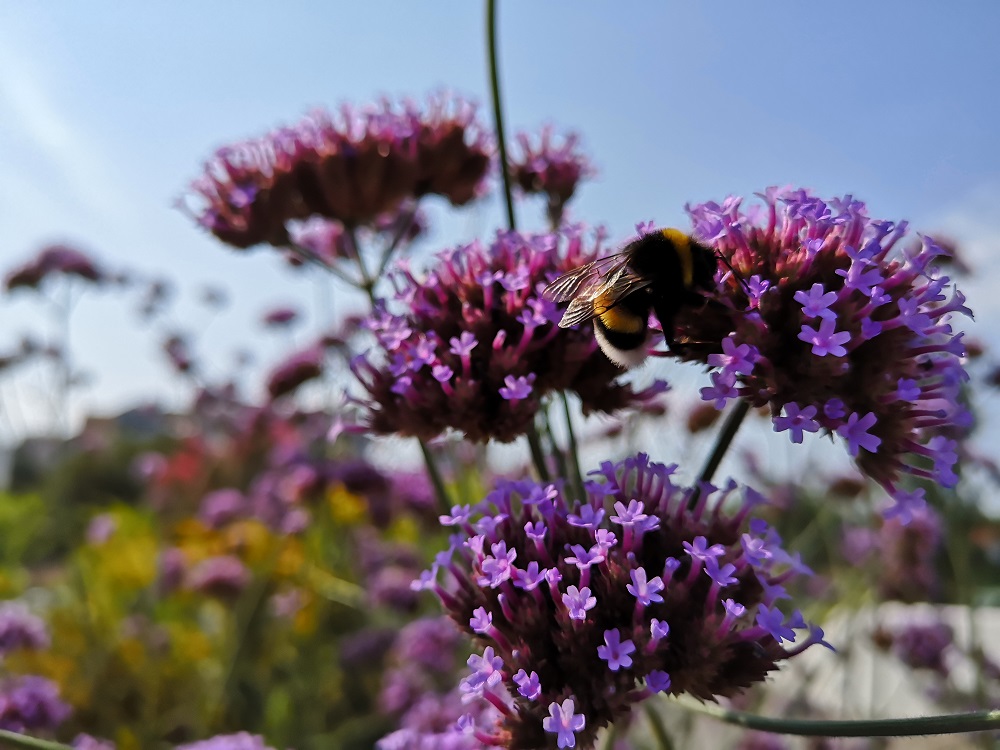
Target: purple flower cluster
{"x":908,"y":550}
{"x":834,"y":331}
{"x":238,"y":741}
{"x":19,"y":629}
{"x":418,"y":688}
{"x":924,"y":645}
{"x":301,"y":367}
{"x":476,"y":346}
{"x":280,"y":317}
{"x":551,"y":168}
{"x":54,"y":260}
{"x":583,"y":609}
{"x":31,"y":704}
{"x":352,"y":166}
{"x":223,"y":576}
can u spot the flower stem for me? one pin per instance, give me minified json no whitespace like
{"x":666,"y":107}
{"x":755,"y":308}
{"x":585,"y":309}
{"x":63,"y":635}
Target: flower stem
{"x":13,"y":739}
{"x":367,"y":282}
{"x":977,"y":721}
{"x":404,"y":227}
{"x":574,"y":450}
{"x":308,"y":255}
{"x":558,"y":455}
{"x":537,"y":454}
{"x":434,"y":474}
{"x":491,"y":37}
{"x":733,"y":421}
{"x":659,"y":730}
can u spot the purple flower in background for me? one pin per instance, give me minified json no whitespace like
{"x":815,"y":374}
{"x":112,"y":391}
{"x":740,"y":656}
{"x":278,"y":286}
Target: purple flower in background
{"x":223,"y":577}
{"x":19,"y":629}
{"x":475,"y":348}
{"x":280,"y":317}
{"x":238,"y":741}
{"x":907,"y":565}
{"x":178,"y":351}
{"x":923,"y":645}
{"x":851,"y":331}
{"x":611,"y":617}
{"x":299,"y":368}
{"x":353,"y":166}
{"x":101,"y":528}
{"x":551,"y":168}
{"x":219,"y":507}
{"x":61,"y":260}
{"x":30,"y":704}
{"x":86,"y":742}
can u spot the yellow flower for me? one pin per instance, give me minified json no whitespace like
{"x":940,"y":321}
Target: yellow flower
{"x":346,"y":507}
{"x":249,"y":539}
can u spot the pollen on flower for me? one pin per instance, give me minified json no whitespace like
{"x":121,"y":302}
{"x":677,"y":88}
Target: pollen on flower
{"x":848,"y":332}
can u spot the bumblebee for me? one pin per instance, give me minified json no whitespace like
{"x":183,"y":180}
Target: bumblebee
{"x":662,"y":272}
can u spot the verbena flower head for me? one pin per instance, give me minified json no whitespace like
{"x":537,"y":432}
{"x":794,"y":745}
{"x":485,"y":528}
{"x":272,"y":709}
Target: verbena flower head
{"x":298,"y":368}
{"x":582,"y":609}
{"x":223,"y":576}
{"x":280,"y":317}
{"x":838,"y":329}
{"x":353,"y":166}
{"x":908,"y":550}
{"x":475,"y":346}
{"x":51,"y":261}
{"x":19,"y":629}
{"x":553,"y":168}
{"x":29,"y":703}
{"x":922,"y":645}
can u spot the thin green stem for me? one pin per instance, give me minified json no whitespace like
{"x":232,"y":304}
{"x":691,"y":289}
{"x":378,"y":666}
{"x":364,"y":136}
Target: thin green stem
{"x":977,"y":721}
{"x":659,"y":730}
{"x":574,"y":448}
{"x":13,"y":739}
{"x":537,"y":454}
{"x":557,"y":454}
{"x":732,"y":424}
{"x":404,"y":227}
{"x":491,"y":37}
{"x":311,"y":257}
{"x":367,"y":281}
{"x":440,"y":492}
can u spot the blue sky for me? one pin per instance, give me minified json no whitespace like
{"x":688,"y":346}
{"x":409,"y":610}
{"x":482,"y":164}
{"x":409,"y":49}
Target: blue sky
{"x":108,"y":109}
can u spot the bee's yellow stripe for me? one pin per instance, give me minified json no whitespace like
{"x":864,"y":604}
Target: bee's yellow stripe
{"x":620,"y":320}
{"x":682,"y":244}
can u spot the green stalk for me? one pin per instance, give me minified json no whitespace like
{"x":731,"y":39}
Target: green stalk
{"x":440,"y":492}
{"x":537,"y":454}
{"x":732,"y":424}
{"x":491,"y":37}
{"x":390,"y":248}
{"x":659,"y":730}
{"x":977,"y":721}
{"x":558,"y":456}
{"x":574,"y":449}
{"x":13,"y":739}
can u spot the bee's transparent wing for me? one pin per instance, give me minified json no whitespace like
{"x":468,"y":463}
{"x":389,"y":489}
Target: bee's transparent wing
{"x":584,"y":281}
{"x":605,"y":295}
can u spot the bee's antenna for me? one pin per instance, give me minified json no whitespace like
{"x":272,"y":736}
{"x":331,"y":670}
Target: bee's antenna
{"x":736,"y":275}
